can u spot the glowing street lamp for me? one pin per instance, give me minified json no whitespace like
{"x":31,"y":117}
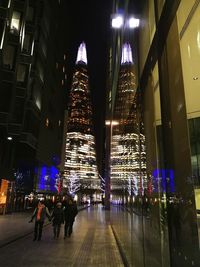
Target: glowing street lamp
{"x":118,"y":22}
{"x":133,"y":22}
{"x":113,"y":123}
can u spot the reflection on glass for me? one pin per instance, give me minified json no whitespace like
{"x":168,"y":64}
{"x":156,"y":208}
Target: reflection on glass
{"x":127,"y":147}
{"x":189,"y":29}
{"x":15,"y":22}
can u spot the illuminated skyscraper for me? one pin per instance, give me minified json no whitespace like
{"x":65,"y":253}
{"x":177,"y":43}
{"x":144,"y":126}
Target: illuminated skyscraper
{"x":80,"y":168}
{"x":127,"y":149}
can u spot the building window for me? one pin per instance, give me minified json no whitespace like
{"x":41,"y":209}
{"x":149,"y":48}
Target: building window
{"x":18,"y":110}
{"x":2,"y":32}
{"x":8,"y":57}
{"x":46,"y":25}
{"x":27,"y":45}
{"x":6,"y":96}
{"x":21,"y":73}
{"x":47,"y":122}
{"x":4,"y":3}
{"x":37,"y":97}
{"x":30,"y":14}
{"x":15,"y":22}
{"x":43,"y":45}
{"x":40,"y":71}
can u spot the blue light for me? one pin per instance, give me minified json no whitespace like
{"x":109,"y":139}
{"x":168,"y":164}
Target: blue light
{"x":47,"y":178}
{"x":163,"y":179}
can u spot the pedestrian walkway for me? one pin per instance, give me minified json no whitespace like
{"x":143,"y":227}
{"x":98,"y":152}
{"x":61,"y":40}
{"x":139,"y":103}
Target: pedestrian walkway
{"x":14,"y":226}
{"x":91,"y":244}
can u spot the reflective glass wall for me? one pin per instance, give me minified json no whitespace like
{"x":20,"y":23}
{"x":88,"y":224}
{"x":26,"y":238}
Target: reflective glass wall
{"x":188,"y":19}
{"x":154,"y":152}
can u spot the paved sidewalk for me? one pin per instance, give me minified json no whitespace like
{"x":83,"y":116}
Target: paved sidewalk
{"x":92,"y":243}
{"x":14,"y":226}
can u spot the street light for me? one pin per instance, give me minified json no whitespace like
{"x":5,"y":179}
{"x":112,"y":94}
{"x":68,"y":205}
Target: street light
{"x":133,"y":23}
{"x":118,"y":22}
{"x":112,"y":123}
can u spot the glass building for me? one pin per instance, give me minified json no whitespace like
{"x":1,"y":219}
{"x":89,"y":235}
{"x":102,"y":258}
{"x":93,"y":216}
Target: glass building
{"x":32,"y":93}
{"x":127,"y":141}
{"x":80,"y":168}
{"x":152,"y":134}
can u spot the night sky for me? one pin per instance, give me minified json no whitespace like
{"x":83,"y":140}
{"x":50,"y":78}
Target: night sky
{"x":89,"y":21}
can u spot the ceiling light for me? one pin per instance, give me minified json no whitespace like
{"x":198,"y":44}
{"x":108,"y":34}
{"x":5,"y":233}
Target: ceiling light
{"x":134,"y":23}
{"x":117,"y":22}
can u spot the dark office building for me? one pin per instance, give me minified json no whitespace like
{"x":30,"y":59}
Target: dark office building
{"x":32,"y":91}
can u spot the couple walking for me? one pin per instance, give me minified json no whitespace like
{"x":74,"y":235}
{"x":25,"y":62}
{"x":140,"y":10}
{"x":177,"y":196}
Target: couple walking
{"x":59,"y":216}
{"x":64,"y":215}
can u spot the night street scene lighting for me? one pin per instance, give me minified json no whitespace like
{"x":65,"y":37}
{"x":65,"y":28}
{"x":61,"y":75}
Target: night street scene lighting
{"x":119,"y":22}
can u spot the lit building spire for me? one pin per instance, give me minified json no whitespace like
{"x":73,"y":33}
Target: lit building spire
{"x":81,"y":56}
{"x":126,"y":54}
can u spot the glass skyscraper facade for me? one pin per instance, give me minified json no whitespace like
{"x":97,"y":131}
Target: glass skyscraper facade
{"x":80,"y":168}
{"x":162,"y":135}
{"x":127,"y":141}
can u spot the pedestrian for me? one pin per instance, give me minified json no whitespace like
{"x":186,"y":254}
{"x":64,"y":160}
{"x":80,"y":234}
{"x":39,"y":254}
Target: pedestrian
{"x":40,"y":213}
{"x":57,"y":219}
{"x":70,"y":212}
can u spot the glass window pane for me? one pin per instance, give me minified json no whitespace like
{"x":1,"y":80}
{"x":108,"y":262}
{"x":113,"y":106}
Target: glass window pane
{"x":8,"y":57}
{"x":21,"y":72}
{"x":30,"y":14}
{"x":15,"y":22}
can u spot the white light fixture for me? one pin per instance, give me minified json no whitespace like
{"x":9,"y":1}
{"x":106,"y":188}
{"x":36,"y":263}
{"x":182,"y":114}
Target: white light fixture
{"x":82,"y":55}
{"x":111,"y":122}
{"x":117,"y":22}
{"x":9,"y":138}
{"x":133,"y":23}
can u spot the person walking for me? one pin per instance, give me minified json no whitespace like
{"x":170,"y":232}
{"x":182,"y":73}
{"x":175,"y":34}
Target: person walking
{"x":39,"y":214}
{"x":57,"y":219}
{"x":70,"y":212}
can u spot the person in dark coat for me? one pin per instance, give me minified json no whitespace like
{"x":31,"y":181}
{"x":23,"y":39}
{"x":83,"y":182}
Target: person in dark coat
{"x":57,"y":219}
{"x":39,"y":214}
{"x":70,"y":212}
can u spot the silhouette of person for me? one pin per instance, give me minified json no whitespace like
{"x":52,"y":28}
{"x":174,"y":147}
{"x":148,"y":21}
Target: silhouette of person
{"x":39,"y":214}
{"x":57,"y":219}
{"x":70,"y":212}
